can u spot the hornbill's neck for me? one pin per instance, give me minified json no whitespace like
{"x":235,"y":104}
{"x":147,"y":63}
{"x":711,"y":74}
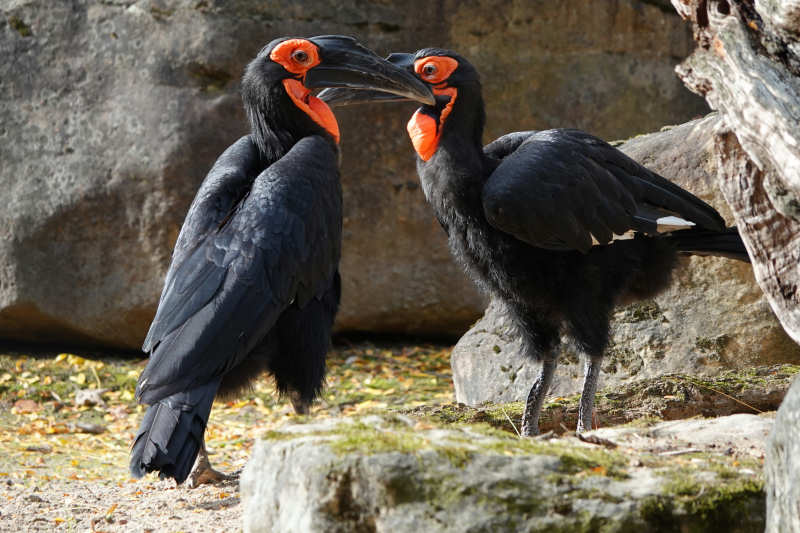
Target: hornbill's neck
{"x":453,"y":177}
{"x":276,"y":122}
{"x":466,"y":120}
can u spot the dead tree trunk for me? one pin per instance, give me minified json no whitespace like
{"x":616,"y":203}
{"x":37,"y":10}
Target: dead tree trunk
{"x":747,"y":66}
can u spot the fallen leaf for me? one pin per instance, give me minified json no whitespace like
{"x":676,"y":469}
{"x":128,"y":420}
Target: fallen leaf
{"x":25,"y":406}
{"x":80,"y":379}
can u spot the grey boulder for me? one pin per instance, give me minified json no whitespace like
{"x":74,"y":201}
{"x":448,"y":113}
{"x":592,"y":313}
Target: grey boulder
{"x":397,"y":474}
{"x":782,"y":466}
{"x":112,"y":112}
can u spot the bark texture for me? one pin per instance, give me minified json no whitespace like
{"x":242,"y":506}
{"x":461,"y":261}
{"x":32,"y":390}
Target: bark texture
{"x":747,"y":66}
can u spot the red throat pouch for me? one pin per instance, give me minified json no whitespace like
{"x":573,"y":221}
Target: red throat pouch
{"x":424,"y":131}
{"x":312,"y":106}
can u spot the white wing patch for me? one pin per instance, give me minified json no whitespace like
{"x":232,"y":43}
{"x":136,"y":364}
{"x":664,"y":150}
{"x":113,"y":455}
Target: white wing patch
{"x":664,"y":225}
{"x":673,"y":223}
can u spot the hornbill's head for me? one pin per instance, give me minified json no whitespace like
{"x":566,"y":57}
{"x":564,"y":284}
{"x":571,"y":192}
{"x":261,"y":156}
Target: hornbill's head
{"x":451,"y":78}
{"x":276,"y":87}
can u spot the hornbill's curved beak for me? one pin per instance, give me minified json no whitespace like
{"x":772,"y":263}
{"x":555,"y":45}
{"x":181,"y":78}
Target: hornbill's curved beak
{"x":350,"y":95}
{"x":348,"y":66}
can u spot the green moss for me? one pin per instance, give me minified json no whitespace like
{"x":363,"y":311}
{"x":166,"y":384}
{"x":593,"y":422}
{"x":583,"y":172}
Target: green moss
{"x":277,"y":435}
{"x":496,"y":415}
{"x":641,"y":311}
{"x":572,"y":458}
{"x":731,"y":502}
{"x":735,"y":381}
{"x":160,"y":13}
{"x":643,"y":422}
{"x":712,"y":346}
{"x":724,"y":504}
{"x":621,"y":356}
{"x":19,"y":25}
{"x":659,"y":513}
{"x":368,"y":440}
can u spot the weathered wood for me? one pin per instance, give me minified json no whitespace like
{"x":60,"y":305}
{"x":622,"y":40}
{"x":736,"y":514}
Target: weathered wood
{"x":747,"y":66}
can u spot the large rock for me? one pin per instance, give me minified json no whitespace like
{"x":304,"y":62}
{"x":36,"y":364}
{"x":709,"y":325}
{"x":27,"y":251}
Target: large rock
{"x":782,"y":466}
{"x":396,"y":474}
{"x":111,"y":113}
{"x":713,"y":317}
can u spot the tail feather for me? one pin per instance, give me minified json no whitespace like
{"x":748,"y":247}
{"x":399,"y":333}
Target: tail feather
{"x":727,"y":243}
{"x":171,"y":433}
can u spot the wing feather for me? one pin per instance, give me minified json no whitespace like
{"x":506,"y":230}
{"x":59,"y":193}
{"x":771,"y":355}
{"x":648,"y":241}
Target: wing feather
{"x":567,"y":190}
{"x":280,"y":244}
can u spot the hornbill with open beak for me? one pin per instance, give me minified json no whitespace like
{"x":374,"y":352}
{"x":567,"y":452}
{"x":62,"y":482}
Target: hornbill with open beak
{"x":557,"y":225}
{"x":254,"y":284}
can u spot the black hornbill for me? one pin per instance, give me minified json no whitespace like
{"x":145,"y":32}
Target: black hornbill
{"x":254,"y":284}
{"x":556,"y":225}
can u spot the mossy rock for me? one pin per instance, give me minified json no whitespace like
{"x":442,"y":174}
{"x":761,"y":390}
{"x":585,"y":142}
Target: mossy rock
{"x":399,"y":473}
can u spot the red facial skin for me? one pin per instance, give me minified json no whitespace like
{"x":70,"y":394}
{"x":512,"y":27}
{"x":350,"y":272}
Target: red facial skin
{"x":298,"y":56}
{"x":423,"y":128}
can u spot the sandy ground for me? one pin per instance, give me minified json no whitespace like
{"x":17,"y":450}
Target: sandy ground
{"x":63,"y":463}
{"x":143,"y":506}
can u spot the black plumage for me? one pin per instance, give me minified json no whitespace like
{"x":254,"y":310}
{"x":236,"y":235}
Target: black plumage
{"x":253,"y":284}
{"x":557,"y":225}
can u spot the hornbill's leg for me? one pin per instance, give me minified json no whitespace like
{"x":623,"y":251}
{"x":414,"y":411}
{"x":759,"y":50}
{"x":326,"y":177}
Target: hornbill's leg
{"x":586,"y":408}
{"x":202,"y":472}
{"x":533,"y":406}
{"x":301,"y":407}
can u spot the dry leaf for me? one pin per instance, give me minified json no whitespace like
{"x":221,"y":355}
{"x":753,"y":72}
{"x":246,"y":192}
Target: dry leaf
{"x":25,"y":406}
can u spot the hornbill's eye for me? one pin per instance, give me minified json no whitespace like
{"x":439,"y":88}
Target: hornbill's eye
{"x":301,"y":56}
{"x":435,"y":69}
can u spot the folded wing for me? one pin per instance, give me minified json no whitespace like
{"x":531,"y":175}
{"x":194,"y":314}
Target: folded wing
{"x":234,"y":271}
{"x":567,"y":190}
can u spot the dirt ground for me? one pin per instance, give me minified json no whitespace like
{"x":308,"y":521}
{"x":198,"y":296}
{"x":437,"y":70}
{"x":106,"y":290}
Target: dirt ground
{"x":63,"y":466}
{"x":67,"y":421}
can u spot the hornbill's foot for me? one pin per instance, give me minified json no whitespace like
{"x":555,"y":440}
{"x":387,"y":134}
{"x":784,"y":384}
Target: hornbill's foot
{"x":301,"y":407}
{"x":206,"y":474}
{"x":203,"y":473}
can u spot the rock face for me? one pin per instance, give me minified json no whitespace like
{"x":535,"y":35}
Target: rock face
{"x":782,"y":466}
{"x":112,"y":112}
{"x":714,"y":316}
{"x":397,"y":474}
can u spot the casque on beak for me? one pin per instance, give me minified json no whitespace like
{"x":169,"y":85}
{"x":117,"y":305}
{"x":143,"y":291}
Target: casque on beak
{"x":347,"y":69}
{"x":338,"y":97}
